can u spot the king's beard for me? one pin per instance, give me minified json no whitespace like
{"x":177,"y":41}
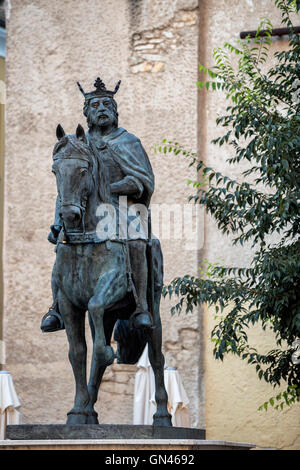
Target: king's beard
{"x":94,"y":121}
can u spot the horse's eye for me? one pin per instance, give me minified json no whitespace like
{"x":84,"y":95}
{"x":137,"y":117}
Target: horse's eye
{"x":83,"y":171}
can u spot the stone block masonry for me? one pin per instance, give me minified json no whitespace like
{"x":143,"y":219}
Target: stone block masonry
{"x":151,"y":48}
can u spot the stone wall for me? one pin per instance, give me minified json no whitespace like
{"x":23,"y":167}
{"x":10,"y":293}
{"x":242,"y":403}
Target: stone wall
{"x":154,"y":47}
{"x":51,"y":45}
{"x":151,"y":47}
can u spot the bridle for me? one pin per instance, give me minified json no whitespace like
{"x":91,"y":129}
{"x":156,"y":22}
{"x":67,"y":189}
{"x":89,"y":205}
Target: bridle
{"x":80,"y":233}
{"x":81,"y":206}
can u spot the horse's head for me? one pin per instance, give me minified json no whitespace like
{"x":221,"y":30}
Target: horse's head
{"x":73,"y":168}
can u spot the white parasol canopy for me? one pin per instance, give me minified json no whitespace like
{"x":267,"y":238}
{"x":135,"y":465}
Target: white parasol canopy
{"x":9,"y":403}
{"x":144,"y":394}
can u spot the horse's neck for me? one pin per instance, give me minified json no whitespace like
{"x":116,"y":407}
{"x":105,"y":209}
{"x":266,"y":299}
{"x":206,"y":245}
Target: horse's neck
{"x":90,"y":218}
{"x":100,"y":192}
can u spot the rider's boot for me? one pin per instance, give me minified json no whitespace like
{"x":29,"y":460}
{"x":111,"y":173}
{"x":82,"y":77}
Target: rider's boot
{"x":141,"y":317}
{"x":52,"y":320}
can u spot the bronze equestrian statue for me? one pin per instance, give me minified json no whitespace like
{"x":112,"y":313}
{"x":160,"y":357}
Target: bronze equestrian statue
{"x":115,"y":277}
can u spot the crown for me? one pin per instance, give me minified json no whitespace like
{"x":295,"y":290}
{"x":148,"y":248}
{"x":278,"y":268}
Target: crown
{"x":100,"y":90}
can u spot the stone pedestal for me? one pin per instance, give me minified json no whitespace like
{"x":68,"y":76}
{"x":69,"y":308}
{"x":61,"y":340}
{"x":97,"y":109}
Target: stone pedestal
{"x":121,"y":444}
{"x":100,"y":431}
{"x":111,"y":437}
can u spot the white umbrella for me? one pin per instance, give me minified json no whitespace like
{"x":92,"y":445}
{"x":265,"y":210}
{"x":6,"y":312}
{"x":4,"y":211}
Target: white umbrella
{"x":144,"y":394}
{"x":9,"y":403}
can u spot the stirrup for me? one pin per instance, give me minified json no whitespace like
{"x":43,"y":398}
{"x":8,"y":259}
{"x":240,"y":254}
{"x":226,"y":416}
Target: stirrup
{"x":48,"y":328}
{"x":135,"y":314}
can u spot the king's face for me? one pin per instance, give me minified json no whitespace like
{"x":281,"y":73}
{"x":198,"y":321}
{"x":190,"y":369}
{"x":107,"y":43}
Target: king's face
{"x":101,"y":111}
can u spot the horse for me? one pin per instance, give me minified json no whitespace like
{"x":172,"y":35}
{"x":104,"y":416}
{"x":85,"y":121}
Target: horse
{"x":92,"y":276}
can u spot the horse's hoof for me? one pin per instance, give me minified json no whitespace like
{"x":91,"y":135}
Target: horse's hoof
{"x":92,"y":415}
{"x":107,"y":358}
{"x":141,"y":320}
{"x":93,"y":419}
{"x":162,"y":420}
{"x":76,"y":418}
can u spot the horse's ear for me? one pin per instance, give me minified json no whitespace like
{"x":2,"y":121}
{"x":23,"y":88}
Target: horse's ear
{"x":59,"y":132}
{"x":80,"y":134}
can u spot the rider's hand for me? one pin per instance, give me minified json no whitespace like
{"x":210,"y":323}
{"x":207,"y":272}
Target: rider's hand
{"x":53,"y":235}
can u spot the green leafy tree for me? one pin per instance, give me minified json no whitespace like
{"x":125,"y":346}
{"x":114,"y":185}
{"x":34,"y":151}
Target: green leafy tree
{"x":262,"y":127}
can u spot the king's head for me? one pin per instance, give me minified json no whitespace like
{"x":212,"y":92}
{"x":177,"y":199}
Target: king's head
{"x":100,"y":90}
{"x":100,"y":108}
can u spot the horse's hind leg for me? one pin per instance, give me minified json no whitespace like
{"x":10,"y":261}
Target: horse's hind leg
{"x":162,"y":417}
{"x":74,"y":322}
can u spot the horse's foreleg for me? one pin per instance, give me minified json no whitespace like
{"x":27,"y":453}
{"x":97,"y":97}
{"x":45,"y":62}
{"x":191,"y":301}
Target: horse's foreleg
{"x":97,"y":370}
{"x":162,"y":417}
{"x":74,"y":323}
{"x":110,"y":288}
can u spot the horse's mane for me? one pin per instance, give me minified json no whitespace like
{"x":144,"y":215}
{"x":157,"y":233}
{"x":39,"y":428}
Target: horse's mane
{"x":71,"y":145}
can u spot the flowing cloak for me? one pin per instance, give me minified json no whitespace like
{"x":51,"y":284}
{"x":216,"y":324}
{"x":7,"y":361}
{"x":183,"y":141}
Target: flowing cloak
{"x":128,"y":153}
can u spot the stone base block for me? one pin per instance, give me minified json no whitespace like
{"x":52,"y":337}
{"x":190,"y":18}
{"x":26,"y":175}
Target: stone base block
{"x":121,"y":445}
{"x":99,"y":431}
{"x":111,"y":437}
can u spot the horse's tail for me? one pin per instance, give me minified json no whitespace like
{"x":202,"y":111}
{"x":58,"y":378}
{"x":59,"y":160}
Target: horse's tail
{"x":130,"y":342}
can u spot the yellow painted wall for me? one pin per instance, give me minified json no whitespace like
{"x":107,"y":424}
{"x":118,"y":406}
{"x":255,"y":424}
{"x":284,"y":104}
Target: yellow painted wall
{"x":2,"y":77}
{"x":233,"y":391}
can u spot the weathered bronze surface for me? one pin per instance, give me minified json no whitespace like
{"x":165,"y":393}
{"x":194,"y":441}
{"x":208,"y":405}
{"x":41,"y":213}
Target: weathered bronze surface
{"x":114,"y":277}
{"x":100,"y":431}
